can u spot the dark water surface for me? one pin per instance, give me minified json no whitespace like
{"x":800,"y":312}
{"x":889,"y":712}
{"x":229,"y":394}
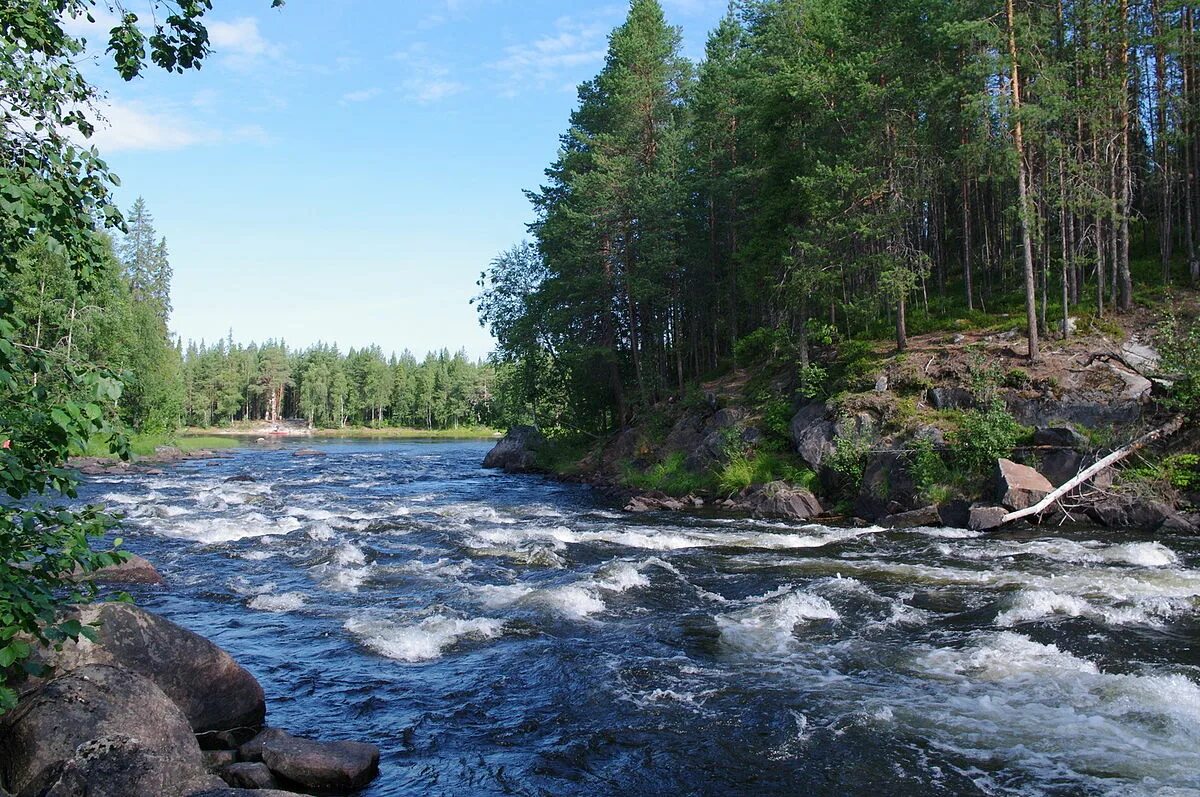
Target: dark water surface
{"x":499,"y":634}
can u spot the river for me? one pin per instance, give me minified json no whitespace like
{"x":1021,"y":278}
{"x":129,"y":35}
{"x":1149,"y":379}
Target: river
{"x":499,"y":634}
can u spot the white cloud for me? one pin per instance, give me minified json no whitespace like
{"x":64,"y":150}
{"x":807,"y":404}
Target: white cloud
{"x":551,"y":59}
{"x":239,"y":43}
{"x":130,"y":126}
{"x":427,"y":89}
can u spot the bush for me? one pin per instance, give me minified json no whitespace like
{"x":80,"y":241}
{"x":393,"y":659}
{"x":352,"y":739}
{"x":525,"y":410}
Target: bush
{"x":671,"y":476}
{"x":848,"y":460}
{"x":984,"y":436}
{"x":1179,"y":344}
{"x":760,"y":345}
{"x":928,"y":470}
{"x":741,"y":470}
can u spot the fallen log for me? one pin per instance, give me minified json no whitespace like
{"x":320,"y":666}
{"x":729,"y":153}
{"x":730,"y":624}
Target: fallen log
{"x":1107,"y":462}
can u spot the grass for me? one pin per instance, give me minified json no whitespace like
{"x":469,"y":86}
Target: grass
{"x":743,"y":470}
{"x":143,"y":445}
{"x":671,"y":476}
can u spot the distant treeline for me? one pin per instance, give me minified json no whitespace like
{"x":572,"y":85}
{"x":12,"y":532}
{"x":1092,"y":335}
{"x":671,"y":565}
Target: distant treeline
{"x":226,"y":382}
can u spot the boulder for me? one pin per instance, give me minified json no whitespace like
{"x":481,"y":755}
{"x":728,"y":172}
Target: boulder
{"x":515,"y":452}
{"x":100,"y":731}
{"x":1060,"y":465}
{"x":212,"y":690}
{"x":249,"y":775}
{"x":887,"y":487}
{"x":955,"y":513}
{"x":308,"y":452}
{"x":655,"y":502}
{"x":950,"y":398}
{"x":925,"y":516}
{"x":134,"y":570}
{"x":241,"y":477}
{"x":1135,"y":513}
{"x":321,"y":766}
{"x":253,"y":749}
{"x":1019,"y":486}
{"x":1059,"y":437}
{"x":812,"y":434}
{"x":781,"y":500}
{"x":215,"y":759}
{"x":983,"y":518}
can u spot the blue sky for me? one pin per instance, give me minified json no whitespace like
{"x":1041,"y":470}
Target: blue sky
{"x":342,"y":170}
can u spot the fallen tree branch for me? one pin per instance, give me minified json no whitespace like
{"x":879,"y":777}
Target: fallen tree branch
{"x":1101,"y":464}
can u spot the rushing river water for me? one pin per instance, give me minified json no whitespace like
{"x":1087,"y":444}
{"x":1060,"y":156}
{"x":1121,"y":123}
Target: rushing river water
{"x":500,"y":634}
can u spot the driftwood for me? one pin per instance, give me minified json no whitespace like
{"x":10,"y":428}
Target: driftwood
{"x":1090,"y":471}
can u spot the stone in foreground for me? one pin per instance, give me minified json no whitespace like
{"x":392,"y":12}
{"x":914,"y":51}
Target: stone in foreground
{"x":984,"y":518}
{"x":234,"y":792}
{"x":781,"y":500}
{"x":321,"y":766}
{"x":1019,"y":486}
{"x":248,"y":775}
{"x":213,"y":690}
{"x":100,"y":731}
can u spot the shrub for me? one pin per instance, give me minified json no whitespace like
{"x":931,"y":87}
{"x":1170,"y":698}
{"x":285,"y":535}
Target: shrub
{"x":848,"y":460}
{"x":984,"y":436}
{"x":928,"y":469}
{"x":760,"y":345}
{"x":1179,"y":343}
{"x":671,"y":476}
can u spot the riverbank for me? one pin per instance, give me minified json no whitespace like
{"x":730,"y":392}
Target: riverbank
{"x":960,"y":421}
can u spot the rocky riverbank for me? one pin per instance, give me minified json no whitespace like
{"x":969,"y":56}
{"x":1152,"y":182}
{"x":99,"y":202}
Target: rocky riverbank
{"x":150,"y":709}
{"x":939,"y":435}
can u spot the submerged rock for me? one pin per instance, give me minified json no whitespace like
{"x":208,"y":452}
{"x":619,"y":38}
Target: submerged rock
{"x":134,"y":570}
{"x":1019,"y":486}
{"x":781,"y":500}
{"x":308,"y":452}
{"x":322,"y":766}
{"x":212,"y":690}
{"x":100,"y":731}
{"x":925,"y":516}
{"x":516,"y":452}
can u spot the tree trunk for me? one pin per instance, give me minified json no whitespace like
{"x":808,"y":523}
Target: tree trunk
{"x":1023,"y":189}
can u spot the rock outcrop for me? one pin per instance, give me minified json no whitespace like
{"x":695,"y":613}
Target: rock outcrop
{"x":516,"y":452}
{"x":100,"y":731}
{"x":214,"y":692}
{"x":134,"y":570}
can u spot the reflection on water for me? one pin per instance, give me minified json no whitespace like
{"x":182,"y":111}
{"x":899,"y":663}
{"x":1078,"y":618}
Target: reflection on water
{"x":500,"y":634}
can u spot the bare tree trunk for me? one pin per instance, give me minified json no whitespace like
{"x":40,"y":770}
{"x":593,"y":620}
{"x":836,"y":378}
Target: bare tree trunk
{"x":1023,"y":189}
{"x":1124,"y":280}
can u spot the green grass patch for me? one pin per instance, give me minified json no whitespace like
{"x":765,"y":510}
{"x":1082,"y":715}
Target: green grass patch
{"x":742,"y":470}
{"x":144,"y":445}
{"x":671,"y":476}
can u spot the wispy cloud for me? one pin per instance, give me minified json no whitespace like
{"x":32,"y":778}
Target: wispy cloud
{"x":427,"y":79}
{"x":553,"y":59}
{"x":131,"y":126}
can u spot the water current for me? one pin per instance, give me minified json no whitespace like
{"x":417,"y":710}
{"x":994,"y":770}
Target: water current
{"x":499,"y":634}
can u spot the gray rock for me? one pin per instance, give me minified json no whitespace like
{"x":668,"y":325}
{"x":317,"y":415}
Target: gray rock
{"x":1059,"y":437}
{"x":950,"y":398}
{"x":211,"y":689}
{"x":1060,"y":466}
{"x":781,"y":500}
{"x":935,"y":436}
{"x":812,"y":434}
{"x":241,"y":478}
{"x":308,"y":452}
{"x":1134,"y":513}
{"x":215,"y":759}
{"x":253,"y":749}
{"x":516,"y":452}
{"x":887,"y":487}
{"x":881,"y":383}
{"x":323,"y":766}
{"x":100,"y":731}
{"x":984,"y":518}
{"x":955,"y":514}
{"x":249,"y":775}
{"x":925,"y":516}
{"x":1019,"y":486}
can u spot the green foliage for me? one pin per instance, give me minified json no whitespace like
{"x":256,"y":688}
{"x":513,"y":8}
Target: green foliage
{"x":671,"y":476}
{"x":985,"y":435}
{"x":812,"y":380}
{"x":759,"y":346}
{"x":1178,"y":472}
{"x":848,"y":460}
{"x":928,"y":470}
{"x":741,"y":470}
{"x":1178,"y":340}
{"x":1017,"y":379}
